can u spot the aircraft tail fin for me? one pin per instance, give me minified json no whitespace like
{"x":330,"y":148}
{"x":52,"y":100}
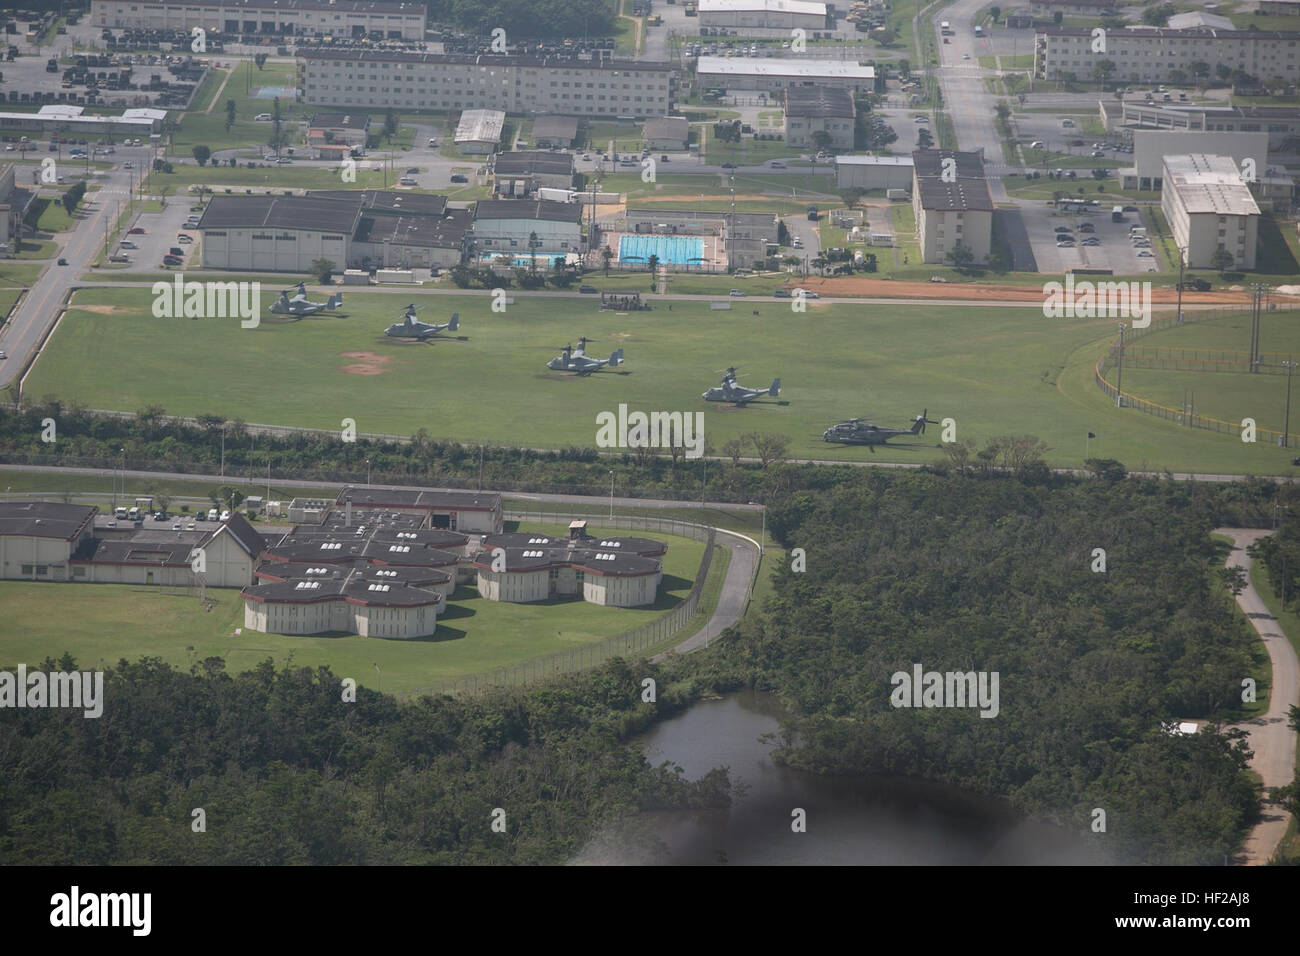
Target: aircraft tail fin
{"x":616,"y":358}
{"x":336,"y":300}
{"x":919,"y":423}
{"x":775,"y":390}
{"x":454,"y":324}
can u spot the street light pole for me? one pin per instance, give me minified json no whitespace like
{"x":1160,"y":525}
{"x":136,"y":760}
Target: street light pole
{"x":611,"y":496}
{"x":1180,"y":284}
{"x":381,"y":676}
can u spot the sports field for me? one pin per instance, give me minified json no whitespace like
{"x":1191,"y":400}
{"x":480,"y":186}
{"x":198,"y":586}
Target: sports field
{"x":994,"y":370}
{"x":110,"y":621}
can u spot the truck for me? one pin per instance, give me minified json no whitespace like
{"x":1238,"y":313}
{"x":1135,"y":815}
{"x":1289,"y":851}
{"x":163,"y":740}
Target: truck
{"x":896,"y":195}
{"x":557,"y":195}
{"x":979,"y":31}
{"x":1116,"y":213}
{"x":944,"y":28}
{"x":52,"y":65}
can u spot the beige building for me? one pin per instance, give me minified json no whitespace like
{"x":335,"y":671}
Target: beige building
{"x":1150,"y":147}
{"x":617,"y":572}
{"x":765,"y":15}
{"x":761,"y":73}
{"x":1282,"y":123}
{"x":1152,"y":55}
{"x":39,"y":538}
{"x":478,"y":132}
{"x":873,"y":172}
{"x":356,"y":602}
{"x":462,"y":511}
{"x":1209,"y":208}
{"x":339,"y":18}
{"x":813,"y":109}
{"x":276,"y":233}
{"x":512,"y":84}
{"x":952,"y":204}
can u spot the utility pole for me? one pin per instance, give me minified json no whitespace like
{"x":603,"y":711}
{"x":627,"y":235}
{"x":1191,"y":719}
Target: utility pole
{"x":1181,"y":250}
{"x":1286,"y":428}
{"x":1119,"y":379}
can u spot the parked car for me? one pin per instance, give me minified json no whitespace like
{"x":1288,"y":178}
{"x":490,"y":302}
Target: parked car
{"x":184,"y":238}
{"x":588,"y":289}
{"x":1063,"y":229}
{"x":128,"y":244}
{"x":1098,"y":154}
{"x":1146,"y":254}
{"x":135,"y":231}
{"x":736,"y":293}
{"x":63,"y":262}
{"x":806,"y":293}
{"x":459,"y":178}
{"x":1091,"y":241}
{"x":782,"y":294}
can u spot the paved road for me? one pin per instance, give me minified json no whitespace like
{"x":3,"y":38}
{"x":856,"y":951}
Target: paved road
{"x":733,"y":600}
{"x":1272,"y":740}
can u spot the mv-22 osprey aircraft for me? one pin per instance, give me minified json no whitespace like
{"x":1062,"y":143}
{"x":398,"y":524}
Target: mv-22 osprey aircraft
{"x":731,"y":391}
{"x":299,"y":304}
{"x":411,"y":328}
{"x":576,"y":360}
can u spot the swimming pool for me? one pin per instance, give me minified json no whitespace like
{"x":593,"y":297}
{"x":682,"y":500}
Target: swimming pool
{"x":678,"y":250}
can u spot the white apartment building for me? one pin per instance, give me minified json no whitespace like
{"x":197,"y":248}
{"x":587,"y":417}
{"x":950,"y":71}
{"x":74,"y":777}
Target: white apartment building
{"x":952,"y":204}
{"x":339,"y":18}
{"x":513,"y":84}
{"x":1209,"y":208}
{"x":1151,"y":55}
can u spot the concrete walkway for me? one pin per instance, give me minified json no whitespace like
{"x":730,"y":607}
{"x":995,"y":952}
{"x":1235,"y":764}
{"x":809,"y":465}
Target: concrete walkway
{"x":731,"y":602}
{"x":1273,"y":742}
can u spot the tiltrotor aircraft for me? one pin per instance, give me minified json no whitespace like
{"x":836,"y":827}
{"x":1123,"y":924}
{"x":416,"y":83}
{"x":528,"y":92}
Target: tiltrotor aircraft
{"x":856,"y":431}
{"x":731,"y":391}
{"x":411,"y":328}
{"x":573,"y":359}
{"x":299,"y":304}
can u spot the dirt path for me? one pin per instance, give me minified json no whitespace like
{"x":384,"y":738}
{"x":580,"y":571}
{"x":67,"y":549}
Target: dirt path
{"x":216,"y":97}
{"x":854,"y":287}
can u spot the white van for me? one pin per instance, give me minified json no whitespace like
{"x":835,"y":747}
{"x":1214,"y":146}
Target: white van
{"x":262,"y":118}
{"x":133,"y":514}
{"x":212,"y":514}
{"x":119,"y":513}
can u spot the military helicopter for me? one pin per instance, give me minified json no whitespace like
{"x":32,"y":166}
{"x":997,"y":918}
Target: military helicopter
{"x":731,"y":391}
{"x":299,"y":305}
{"x":856,"y":431}
{"x":573,"y":359}
{"x":412,"y":328}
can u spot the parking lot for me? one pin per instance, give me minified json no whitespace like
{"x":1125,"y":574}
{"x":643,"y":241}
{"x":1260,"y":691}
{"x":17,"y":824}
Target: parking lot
{"x":1113,"y":249}
{"x":160,"y":234}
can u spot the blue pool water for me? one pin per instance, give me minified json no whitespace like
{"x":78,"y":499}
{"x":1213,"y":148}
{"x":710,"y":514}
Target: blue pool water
{"x":272,"y":92}
{"x":678,"y":250}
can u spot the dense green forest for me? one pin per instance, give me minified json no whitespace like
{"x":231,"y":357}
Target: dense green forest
{"x":286,"y":772}
{"x":526,"y":18}
{"x":968,"y":573}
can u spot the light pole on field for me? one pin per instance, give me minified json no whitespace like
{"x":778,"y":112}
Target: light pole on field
{"x":611,"y":496}
{"x":1119,"y":378}
{"x":1286,"y":428}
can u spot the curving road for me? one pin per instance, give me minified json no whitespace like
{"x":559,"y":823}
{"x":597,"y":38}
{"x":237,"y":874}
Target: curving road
{"x":1272,"y":740}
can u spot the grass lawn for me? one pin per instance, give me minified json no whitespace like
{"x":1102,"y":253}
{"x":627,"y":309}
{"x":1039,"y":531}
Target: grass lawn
{"x":40,"y":249}
{"x":15,"y":273}
{"x":108,"y":622}
{"x":370,"y":175}
{"x":209,"y":129}
{"x":996,"y":371}
{"x":49,"y":214}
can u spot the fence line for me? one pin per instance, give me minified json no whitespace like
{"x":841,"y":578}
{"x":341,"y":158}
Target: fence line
{"x":1183,"y":416}
{"x":631,"y":641}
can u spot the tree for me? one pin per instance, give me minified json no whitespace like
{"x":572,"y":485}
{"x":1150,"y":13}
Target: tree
{"x":885,"y":37}
{"x":260,"y":60}
{"x":851,"y":197}
{"x":1057,"y":17}
{"x":821,"y":139}
{"x":1104,"y":70}
{"x":202,"y":154}
{"x":607,"y":254}
{"x":74,"y":196}
{"x":230,"y":114}
{"x":322,"y":269}
{"x":276,"y":138}
{"x":652,"y":263}
{"x":768,"y":447}
{"x":1158,"y":16}
{"x":995,"y":13}
{"x":390,"y":124}
{"x":1106,"y":469}
{"x":461,"y":276}
{"x":1222,"y":71}
{"x":533,"y":243}
{"x":1199,"y":68}
{"x":1234,"y":578}
{"x":1178,"y":77}
{"x":1099,"y":174}
{"x":960,"y":256}
{"x":1222,"y":260}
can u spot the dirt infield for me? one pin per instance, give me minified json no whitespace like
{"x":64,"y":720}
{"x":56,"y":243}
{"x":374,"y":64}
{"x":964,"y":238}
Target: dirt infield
{"x":100,"y":309}
{"x":853,"y":286}
{"x":366,"y":363}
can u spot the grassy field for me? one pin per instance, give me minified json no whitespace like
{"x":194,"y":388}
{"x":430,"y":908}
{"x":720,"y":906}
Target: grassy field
{"x":996,"y":371}
{"x":369,"y":175}
{"x":209,"y":129}
{"x":108,"y":622}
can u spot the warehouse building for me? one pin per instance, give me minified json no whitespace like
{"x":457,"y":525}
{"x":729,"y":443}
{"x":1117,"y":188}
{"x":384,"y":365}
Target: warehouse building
{"x":614,"y":572}
{"x":506,"y":225}
{"x":521,"y":174}
{"x":664,"y":133}
{"x":813,"y":109}
{"x":765,"y":15}
{"x":952,"y":204}
{"x":338,"y":18}
{"x":1152,"y":55}
{"x":345,"y":129}
{"x":66,"y":118}
{"x":39,"y":538}
{"x":760,"y":73}
{"x":479,"y":131}
{"x":1209,"y":209}
{"x":554,"y":132}
{"x":512,"y":84}
{"x":873,"y":172}
{"x":354,"y":228}
{"x":463,"y":511}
